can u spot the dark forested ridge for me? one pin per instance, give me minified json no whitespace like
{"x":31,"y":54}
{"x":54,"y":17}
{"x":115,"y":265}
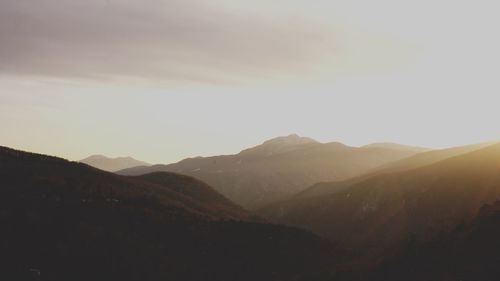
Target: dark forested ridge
{"x":469,"y":252}
{"x":67,"y":221}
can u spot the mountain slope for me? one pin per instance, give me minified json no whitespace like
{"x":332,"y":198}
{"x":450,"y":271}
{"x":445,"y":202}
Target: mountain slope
{"x":378,"y":212}
{"x":112,"y":164}
{"x":390,"y":145}
{"x":412,"y":162}
{"x":279,"y":168}
{"x":429,"y":157}
{"x":69,"y":221}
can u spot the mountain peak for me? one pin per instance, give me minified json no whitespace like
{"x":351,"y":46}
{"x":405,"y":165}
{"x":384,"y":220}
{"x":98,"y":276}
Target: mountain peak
{"x":112,"y":164}
{"x":94,"y":156}
{"x":279,"y":145}
{"x":292,"y":139}
{"x":101,"y":156}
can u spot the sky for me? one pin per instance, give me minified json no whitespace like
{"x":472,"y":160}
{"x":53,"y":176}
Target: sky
{"x":162,"y":80}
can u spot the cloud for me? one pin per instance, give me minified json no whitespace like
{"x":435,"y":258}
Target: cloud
{"x":154,"y":39}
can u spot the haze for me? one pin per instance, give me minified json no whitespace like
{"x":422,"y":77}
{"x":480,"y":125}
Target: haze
{"x":164,"y":80}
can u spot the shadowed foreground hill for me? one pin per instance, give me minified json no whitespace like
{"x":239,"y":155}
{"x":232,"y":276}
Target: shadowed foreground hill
{"x":68,"y":221}
{"x":281,"y":167}
{"x":470,"y":252}
{"x":379,"y":212}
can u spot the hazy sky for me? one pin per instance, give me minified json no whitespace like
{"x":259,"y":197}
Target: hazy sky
{"x":162,"y":80}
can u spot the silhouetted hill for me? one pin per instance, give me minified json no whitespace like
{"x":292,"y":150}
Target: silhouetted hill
{"x":195,"y":194}
{"x":279,"y":168}
{"x":112,"y":164}
{"x":381,"y":211}
{"x":69,"y":221}
{"x":470,"y":252}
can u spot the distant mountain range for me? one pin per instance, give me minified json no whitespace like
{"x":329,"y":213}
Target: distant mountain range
{"x":281,"y":167}
{"x":422,"y":196}
{"x":112,"y":164}
{"x":67,"y":221}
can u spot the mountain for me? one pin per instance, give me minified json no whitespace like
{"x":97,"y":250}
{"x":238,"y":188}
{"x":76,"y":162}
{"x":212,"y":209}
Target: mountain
{"x":412,"y":162}
{"x":112,"y":164}
{"x":375,"y":214}
{"x":68,"y":221}
{"x":279,"y":168}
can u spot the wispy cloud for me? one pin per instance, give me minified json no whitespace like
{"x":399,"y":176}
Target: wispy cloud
{"x":159,"y":39}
